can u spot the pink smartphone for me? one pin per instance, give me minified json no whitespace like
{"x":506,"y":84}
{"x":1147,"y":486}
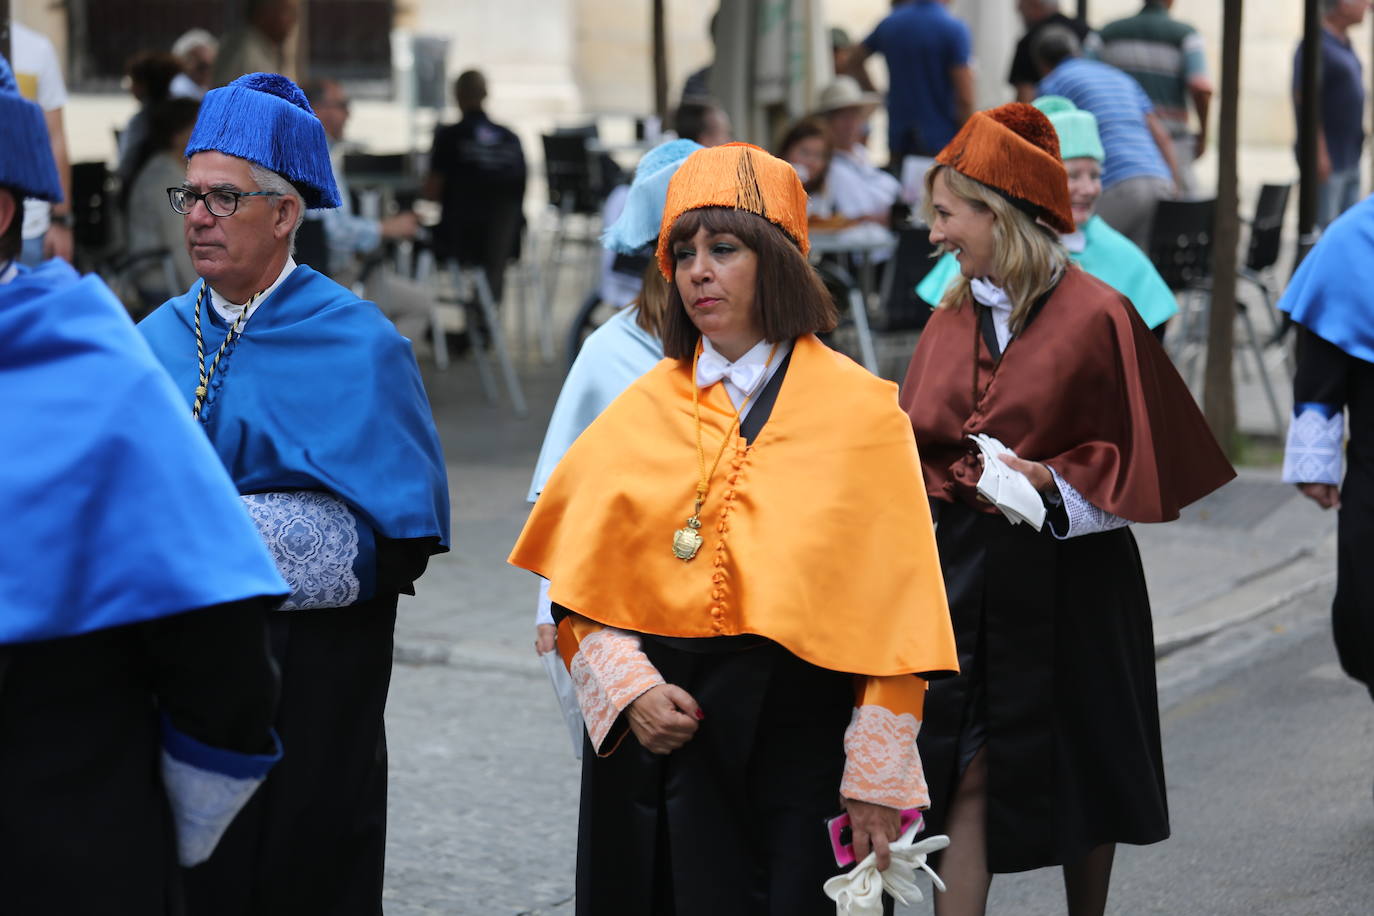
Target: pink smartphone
{"x":842,"y":841}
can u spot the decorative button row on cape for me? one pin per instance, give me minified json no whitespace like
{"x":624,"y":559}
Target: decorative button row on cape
{"x":719,"y":595}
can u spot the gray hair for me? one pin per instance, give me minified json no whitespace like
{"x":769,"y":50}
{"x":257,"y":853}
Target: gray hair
{"x":268,"y":180}
{"x":1055,"y":44}
{"x":195,"y":38}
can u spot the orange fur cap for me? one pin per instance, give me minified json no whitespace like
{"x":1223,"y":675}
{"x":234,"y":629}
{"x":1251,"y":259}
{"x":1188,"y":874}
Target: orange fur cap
{"x":1013,"y":149}
{"x":740,"y":176}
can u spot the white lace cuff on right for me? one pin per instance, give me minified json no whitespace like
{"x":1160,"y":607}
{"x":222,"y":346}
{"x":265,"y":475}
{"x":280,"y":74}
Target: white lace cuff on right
{"x":1084,"y":517}
{"x":1315,"y":439}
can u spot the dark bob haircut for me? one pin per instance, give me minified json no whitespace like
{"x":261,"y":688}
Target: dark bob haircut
{"x":789,"y":297}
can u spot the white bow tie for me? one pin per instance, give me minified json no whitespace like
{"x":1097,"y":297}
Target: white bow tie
{"x":712,"y":367}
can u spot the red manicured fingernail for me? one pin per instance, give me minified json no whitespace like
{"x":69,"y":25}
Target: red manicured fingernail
{"x":700,"y":715}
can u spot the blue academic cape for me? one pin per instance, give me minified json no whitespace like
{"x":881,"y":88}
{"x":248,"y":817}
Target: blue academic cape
{"x":1330,"y":293}
{"x":1107,"y":255}
{"x":115,"y":509}
{"x":614,"y":356}
{"x":319,"y":393}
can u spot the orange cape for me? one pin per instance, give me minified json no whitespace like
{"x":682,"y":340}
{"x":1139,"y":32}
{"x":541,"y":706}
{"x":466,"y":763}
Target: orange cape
{"x":818,"y":536}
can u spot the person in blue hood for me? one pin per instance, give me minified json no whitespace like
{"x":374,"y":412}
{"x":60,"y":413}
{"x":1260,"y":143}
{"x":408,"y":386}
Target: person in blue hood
{"x":136,"y":690}
{"x":315,"y":406}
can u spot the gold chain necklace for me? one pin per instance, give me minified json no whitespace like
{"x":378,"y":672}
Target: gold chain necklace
{"x":687,"y":541}
{"x":203,"y":389}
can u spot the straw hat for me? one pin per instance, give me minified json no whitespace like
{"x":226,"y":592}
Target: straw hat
{"x":845,"y":92}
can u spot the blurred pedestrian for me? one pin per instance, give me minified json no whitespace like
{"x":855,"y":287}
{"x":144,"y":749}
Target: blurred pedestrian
{"x":1341,"y":139}
{"x":150,"y":76}
{"x":315,"y":405}
{"x":477,"y":173}
{"x":1045,"y":749}
{"x":1139,"y":170}
{"x":261,"y":44}
{"x":47,"y":224}
{"x":196,"y":49}
{"x":1093,"y":245}
{"x":702,"y":121}
{"x":1037,"y":16}
{"x":808,"y":146}
{"x":930,"y":75}
{"x":738,"y":672}
{"x":841,"y":46}
{"x":137,"y":700}
{"x":1329,"y":299}
{"x":150,"y":224}
{"x":858,"y":189}
{"x":1169,"y":60}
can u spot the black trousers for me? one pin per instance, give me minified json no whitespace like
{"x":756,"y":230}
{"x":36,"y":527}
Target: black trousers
{"x":313,"y":838}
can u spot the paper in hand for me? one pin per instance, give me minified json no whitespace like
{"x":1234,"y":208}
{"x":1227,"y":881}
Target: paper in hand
{"x":1007,"y":489}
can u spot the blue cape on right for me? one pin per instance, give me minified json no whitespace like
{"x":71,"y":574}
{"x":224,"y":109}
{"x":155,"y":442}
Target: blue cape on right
{"x":115,"y":508}
{"x":1332,"y":291}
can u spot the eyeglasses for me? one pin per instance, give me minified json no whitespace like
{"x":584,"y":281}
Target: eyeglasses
{"x":219,"y":202}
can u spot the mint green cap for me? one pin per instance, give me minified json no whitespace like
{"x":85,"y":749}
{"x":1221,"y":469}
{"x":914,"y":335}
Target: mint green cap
{"x":1077,"y":129}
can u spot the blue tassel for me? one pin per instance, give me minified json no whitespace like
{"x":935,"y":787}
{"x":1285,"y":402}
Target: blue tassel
{"x":265,"y":118}
{"x":26,"y":162}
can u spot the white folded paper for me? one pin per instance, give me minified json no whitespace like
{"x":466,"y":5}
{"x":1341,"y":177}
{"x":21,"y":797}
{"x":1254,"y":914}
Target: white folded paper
{"x":1007,"y":489}
{"x":859,"y":891}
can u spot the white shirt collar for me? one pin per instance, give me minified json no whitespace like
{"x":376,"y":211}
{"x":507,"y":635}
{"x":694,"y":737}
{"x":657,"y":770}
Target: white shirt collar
{"x":230,"y":310}
{"x":10,"y":271}
{"x":995,"y":298}
{"x":746,"y":376}
{"x":1074,"y":241}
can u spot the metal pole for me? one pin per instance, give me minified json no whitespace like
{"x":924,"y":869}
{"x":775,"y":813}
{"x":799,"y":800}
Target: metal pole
{"x":5,"y":29}
{"x":1309,"y":125}
{"x":1218,"y":393}
{"x":1082,"y":13}
{"x":660,"y":64}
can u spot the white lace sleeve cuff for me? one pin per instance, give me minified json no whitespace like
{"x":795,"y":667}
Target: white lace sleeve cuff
{"x":1315,"y":441}
{"x":325,"y":553}
{"x":609,"y":672}
{"x":1084,"y":517}
{"x":881,"y":763}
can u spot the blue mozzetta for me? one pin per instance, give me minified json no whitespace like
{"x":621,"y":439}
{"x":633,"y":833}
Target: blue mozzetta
{"x":308,"y":399}
{"x":1330,"y":291}
{"x":638,"y":223}
{"x":181,"y":746}
{"x":265,"y":118}
{"x":27,"y":165}
{"x":111,"y":496}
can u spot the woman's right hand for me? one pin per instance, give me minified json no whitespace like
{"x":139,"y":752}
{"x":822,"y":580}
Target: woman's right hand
{"x":1326,"y":495}
{"x":664,"y":718}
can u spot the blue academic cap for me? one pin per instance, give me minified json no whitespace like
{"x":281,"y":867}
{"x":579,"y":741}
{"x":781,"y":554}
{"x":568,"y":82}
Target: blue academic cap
{"x":26,"y":162}
{"x":639,"y":222}
{"x":265,"y":118}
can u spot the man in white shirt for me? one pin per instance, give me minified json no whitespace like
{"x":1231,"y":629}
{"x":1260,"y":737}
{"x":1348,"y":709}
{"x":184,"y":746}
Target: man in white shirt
{"x":47,"y":227}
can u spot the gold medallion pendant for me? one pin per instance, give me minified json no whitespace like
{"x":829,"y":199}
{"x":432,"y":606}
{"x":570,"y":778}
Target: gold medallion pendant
{"x":686,"y":541}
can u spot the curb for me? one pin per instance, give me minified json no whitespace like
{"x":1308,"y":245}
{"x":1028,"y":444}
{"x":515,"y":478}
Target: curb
{"x":1186,"y":638}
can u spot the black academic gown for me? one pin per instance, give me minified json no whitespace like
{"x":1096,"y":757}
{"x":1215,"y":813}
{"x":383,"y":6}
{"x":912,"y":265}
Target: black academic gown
{"x":1056,"y":686}
{"x":732,"y":823}
{"x":1330,"y":376}
{"x":85,"y":825}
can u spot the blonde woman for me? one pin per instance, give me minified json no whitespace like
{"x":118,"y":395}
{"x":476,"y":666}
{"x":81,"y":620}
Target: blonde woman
{"x":1045,"y":750}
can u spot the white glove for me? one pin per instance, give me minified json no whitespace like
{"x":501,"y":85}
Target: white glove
{"x":1009,"y":490}
{"x":859,"y":891}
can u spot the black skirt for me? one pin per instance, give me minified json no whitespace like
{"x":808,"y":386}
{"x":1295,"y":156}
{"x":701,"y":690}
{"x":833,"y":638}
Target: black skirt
{"x":732,"y":823}
{"x":1057,"y":686}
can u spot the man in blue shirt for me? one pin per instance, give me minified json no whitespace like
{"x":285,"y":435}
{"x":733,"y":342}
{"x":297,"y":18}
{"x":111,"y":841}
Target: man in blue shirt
{"x":1342,"y":109}
{"x":930,"y":85}
{"x":1139,"y":169}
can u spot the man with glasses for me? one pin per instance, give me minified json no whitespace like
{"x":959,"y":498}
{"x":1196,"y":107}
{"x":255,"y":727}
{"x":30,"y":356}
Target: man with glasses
{"x":134,"y":671}
{"x":315,"y":405}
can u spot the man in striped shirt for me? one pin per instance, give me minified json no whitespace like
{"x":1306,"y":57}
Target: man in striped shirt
{"x":1169,"y":60}
{"x":1139,"y":170}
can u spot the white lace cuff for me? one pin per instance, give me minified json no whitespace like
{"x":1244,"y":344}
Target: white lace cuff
{"x":319,"y":546}
{"x":1084,"y":517}
{"x":609,"y":672}
{"x":881,"y":763}
{"x":1315,"y":442}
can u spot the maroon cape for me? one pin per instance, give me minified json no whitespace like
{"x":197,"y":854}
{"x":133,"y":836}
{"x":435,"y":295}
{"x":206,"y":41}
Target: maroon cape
{"x":1084,"y":388}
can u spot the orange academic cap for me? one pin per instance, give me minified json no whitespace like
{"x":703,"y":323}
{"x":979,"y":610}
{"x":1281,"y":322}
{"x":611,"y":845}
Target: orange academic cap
{"x":741,"y":176}
{"x":1014,"y":150}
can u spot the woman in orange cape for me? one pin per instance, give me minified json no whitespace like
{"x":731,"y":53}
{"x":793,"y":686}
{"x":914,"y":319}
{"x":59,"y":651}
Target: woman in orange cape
{"x":741,"y":559}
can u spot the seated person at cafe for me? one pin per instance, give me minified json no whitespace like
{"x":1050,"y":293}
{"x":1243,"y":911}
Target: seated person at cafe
{"x":860,"y":190}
